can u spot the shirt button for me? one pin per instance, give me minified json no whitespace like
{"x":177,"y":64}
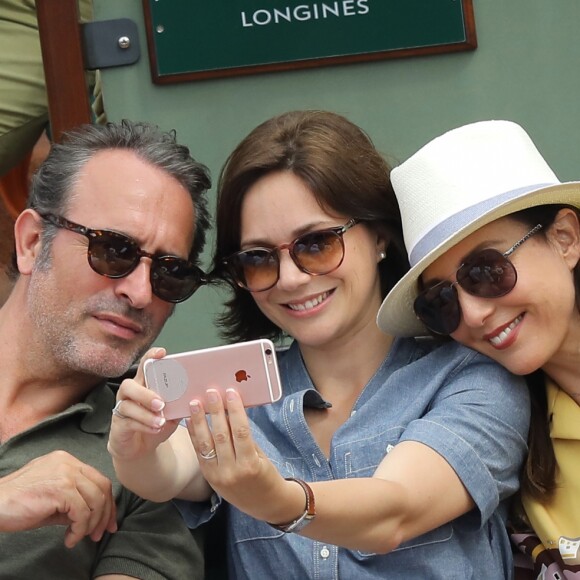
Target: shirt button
{"x":325,"y":552}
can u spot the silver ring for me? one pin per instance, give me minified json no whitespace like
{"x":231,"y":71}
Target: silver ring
{"x":211,"y":454}
{"x":116,"y":411}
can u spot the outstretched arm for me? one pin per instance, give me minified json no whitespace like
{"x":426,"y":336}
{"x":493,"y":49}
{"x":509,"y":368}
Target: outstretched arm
{"x":413,"y":490}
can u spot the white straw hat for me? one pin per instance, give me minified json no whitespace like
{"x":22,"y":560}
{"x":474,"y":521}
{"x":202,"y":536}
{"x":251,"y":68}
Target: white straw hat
{"x":453,"y":186}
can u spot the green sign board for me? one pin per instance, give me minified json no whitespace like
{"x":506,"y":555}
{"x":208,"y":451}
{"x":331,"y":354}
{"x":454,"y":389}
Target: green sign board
{"x":196,"y":39}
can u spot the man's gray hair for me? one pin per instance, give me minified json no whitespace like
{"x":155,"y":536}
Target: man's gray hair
{"x":52,"y":184}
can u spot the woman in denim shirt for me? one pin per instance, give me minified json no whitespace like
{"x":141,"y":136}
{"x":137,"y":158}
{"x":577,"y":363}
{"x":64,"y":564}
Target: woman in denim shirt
{"x":386,"y":457}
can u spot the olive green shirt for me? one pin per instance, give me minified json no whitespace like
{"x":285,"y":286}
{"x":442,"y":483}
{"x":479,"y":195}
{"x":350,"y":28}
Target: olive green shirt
{"x":152,"y":541}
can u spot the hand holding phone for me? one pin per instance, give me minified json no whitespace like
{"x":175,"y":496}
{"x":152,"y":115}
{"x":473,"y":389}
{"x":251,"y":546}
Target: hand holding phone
{"x":249,"y":367}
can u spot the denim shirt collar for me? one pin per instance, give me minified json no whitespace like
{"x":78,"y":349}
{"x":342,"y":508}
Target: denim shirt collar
{"x":297,"y":380}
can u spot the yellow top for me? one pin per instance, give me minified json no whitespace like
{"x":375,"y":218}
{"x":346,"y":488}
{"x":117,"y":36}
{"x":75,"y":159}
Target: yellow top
{"x":557,"y":522}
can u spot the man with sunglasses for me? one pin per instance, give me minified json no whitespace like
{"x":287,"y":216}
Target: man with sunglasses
{"x":108,"y":244}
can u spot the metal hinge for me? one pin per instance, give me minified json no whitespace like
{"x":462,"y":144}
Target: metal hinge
{"x":110,"y":43}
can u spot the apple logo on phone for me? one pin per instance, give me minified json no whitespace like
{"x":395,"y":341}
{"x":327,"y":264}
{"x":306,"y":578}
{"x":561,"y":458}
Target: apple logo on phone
{"x":241,"y":376}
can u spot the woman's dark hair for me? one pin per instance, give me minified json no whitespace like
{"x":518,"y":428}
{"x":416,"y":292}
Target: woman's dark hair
{"x":339,"y":164}
{"x":539,"y":474}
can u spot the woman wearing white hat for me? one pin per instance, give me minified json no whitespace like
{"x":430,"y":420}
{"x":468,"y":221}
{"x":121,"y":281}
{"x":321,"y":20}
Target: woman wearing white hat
{"x":493,"y":239}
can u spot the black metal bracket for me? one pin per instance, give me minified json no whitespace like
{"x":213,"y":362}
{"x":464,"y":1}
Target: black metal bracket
{"x":110,"y":43}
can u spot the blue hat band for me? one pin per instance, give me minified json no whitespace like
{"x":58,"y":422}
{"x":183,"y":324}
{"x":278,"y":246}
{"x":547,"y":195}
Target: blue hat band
{"x":448,"y":227}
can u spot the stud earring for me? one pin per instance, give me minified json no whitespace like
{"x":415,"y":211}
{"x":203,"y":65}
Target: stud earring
{"x":382,"y":255}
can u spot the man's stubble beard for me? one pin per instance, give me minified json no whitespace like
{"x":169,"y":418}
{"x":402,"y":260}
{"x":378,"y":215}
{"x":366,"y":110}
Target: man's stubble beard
{"x":61,"y":332}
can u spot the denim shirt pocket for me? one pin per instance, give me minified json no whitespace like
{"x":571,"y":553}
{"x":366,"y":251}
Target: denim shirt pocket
{"x":362,"y":456}
{"x":248,"y":529}
{"x":362,"y":459}
{"x":439,"y":535}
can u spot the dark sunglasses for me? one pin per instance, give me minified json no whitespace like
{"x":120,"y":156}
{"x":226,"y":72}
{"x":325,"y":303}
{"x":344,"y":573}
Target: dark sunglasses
{"x":485,"y":274}
{"x":116,"y":255}
{"x":316,"y":253}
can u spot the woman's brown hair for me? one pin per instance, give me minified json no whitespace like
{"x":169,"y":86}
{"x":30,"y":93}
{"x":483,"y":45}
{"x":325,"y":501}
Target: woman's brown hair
{"x":339,"y":164}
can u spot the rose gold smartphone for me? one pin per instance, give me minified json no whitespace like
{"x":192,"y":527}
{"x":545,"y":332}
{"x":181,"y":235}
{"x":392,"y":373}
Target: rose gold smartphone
{"x":249,"y":367}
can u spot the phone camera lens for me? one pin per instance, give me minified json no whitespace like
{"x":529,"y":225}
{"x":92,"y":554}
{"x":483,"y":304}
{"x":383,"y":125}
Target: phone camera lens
{"x":268,"y":351}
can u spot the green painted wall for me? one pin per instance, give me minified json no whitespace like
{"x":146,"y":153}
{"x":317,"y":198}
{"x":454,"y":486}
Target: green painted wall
{"x":526,"y":69}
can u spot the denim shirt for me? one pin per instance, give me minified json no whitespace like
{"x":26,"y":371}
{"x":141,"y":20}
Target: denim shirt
{"x":461,"y":404}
